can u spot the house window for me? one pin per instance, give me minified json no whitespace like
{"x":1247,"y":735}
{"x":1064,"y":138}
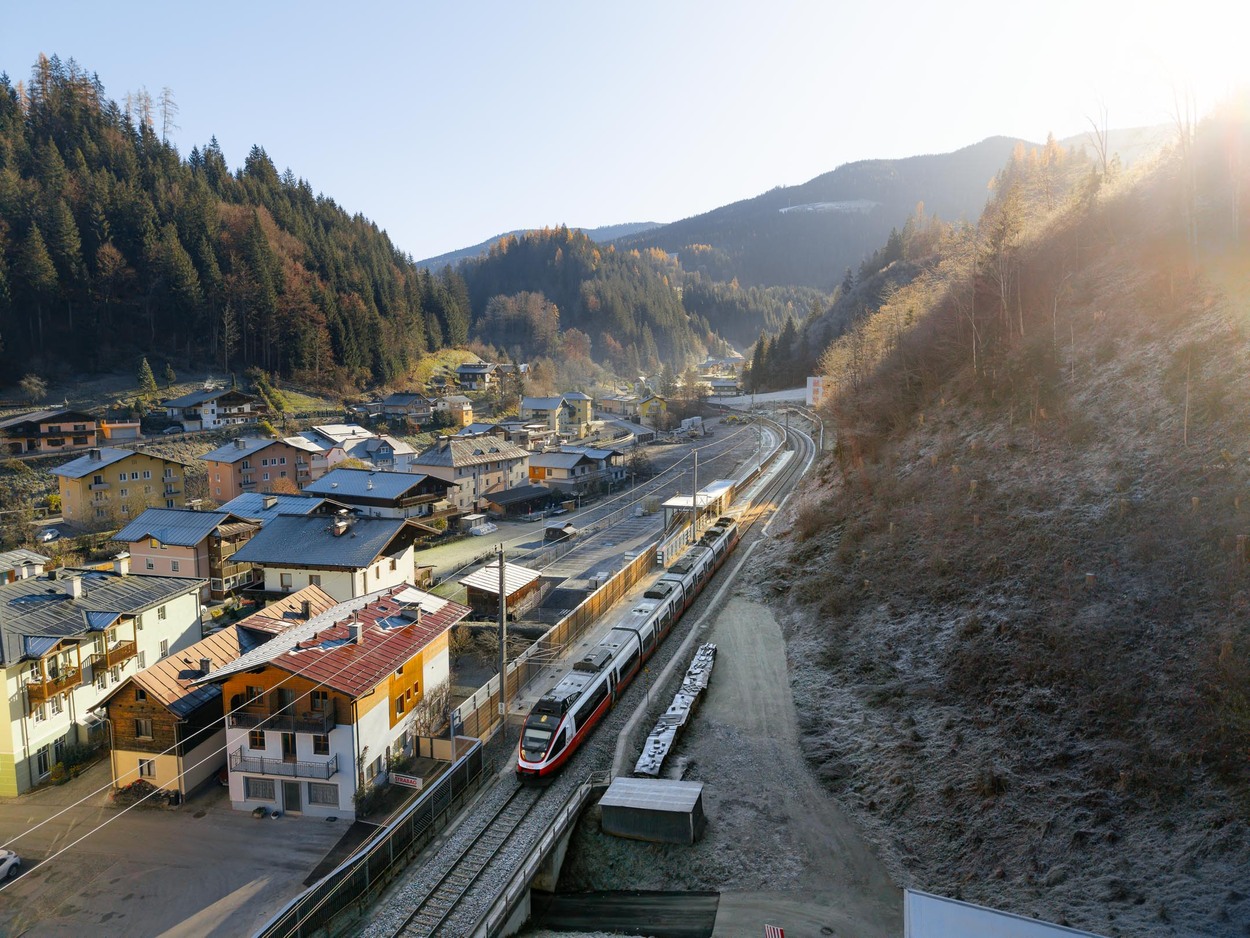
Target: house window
{"x":169,"y":503}
{"x":140,"y":693}
{"x":164,"y":647}
{"x":264,"y":476}
{"x":282,"y":474}
{"x":143,"y":728}
{"x":147,"y":490}
{"x":399,"y":706}
{"x":217,"y":478}
{"x":143,"y":659}
{"x":101,"y":680}
{"x":323,"y":793}
{"x":169,"y":474}
{"x":121,"y":477}
{"x":134,"y":476}
{"x":394,"y":563}
{"x":259,"y":789}
{"x":282,"y":461}
{"x":125,"y":493}
{"x":115,"y":672}
{"x":320,"y":699}
{"x":40,"y":713}
{"x":149,"y":565}
{"x":286,"y":580}
{"x":253,"y":693}
{"x":97,"y":480}
{"x":42,"y":766}
{"x":147,"y":768}
{"x":160,"y":611}
{"x":321,"y":745}
{"x":174,"y":567}
{"x":247,"y":464}
{"x":147,"y":473}
{"x":256,"y":739}
{"x":314,"y":579}
{"x":56,"y":703}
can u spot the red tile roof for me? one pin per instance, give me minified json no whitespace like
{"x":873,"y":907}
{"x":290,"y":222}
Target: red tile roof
{"x":331,"y":659}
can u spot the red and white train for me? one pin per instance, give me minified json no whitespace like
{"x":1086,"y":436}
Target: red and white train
{"x":562,"y":719}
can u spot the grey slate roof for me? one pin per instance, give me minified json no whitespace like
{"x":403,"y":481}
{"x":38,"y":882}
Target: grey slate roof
{"x":198,"y":397}
{"x":457,"y":452}
{"x":252,"y":505}
{"x":232,"y":452}
{"x":365,"y":483}
{"x":591,"y":451}
{"x":179,"y":527}
{"x":109,"y":455}
{"x":559,"y":460}
{"x":475,"y":368}
{"x":309,"y":541}
{"x":37,"y":609}
{"x":474,"y":429}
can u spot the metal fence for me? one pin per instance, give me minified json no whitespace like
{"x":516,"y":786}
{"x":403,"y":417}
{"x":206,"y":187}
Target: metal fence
{"x":358,"y":881}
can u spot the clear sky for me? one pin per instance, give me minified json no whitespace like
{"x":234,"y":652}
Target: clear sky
{"x":448,"y":123}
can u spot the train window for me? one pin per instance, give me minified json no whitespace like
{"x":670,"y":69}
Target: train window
{"x":558,"y":746}
{"x":628,"y":664}
{"x":587,"y":706}
{"x":534,"y":741}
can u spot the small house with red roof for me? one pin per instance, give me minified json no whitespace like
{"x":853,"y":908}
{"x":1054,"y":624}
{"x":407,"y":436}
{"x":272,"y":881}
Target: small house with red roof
{"x":323,"y":709}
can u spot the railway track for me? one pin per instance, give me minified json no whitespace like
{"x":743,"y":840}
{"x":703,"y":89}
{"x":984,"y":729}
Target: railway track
{"x":436,"y":908}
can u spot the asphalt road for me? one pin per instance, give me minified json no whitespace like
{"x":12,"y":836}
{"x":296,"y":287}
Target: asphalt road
{"x":197,"y":870}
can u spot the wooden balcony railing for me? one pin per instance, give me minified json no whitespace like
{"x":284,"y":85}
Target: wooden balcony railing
{"x":39,"y":691}
{"x":118,"y":654}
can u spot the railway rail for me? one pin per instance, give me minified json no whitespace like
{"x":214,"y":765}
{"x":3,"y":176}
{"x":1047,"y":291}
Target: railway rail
{"x":434,"y":911}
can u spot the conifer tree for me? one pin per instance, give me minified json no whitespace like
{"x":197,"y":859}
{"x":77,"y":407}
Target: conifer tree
{"x":147,"y":380}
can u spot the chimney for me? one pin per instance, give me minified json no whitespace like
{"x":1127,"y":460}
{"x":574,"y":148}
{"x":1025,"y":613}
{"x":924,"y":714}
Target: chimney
{"x":268,"y":501}
{"x":93,"y":455}
{"x":73,"y":586}
{"x":121,"y":564}
{"x":353,"y":631}
{"x":240,"y":443}
{"x":206,"y":665}
{"x":305,"y":609}
{"x":340,"y":527}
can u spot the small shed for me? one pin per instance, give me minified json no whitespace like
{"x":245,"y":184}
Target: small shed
{"x":559,"y":532}
{"x":655,"y":810}
{"x":522,"y":585}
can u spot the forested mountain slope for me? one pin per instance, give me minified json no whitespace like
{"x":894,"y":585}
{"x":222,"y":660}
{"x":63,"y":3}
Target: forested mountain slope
{"x":111,"y":247}
{"x":1016,"y":593}
{"x":600,"y":235}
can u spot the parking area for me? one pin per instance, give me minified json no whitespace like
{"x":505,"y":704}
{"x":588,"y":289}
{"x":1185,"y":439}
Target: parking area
{"x":199,"y":869}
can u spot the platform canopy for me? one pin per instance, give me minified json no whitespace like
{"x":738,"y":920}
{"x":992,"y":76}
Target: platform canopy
{"x":929,"y":916}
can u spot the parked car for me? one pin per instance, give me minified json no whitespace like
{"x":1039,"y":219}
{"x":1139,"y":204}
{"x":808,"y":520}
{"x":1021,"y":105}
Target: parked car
{"x":47,"y":535}
{"x":486,"y":527}
{"x":554,"y":512}
{"x":10,"y":864}
{"x":176,"y":428}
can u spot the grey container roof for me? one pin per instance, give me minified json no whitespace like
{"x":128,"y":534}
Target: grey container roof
{"x":649,"y":794}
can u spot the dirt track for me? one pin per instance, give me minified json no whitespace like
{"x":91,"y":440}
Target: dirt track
{"x":777,"y":847}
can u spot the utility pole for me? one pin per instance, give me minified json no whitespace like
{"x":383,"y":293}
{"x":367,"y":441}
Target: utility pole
{"x":694,"y":501}
{"x":503,"y":649}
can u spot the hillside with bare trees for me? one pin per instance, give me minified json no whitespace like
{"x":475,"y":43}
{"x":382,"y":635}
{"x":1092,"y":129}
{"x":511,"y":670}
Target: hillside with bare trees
{"x":1016,"y":596}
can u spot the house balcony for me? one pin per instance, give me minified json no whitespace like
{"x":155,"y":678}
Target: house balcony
{"x":39,"y":691}
{"x":99,"y":487}
{"x":319,"y":723}
{"x":247,"y":485}
{"x":241,"y":762}
{"x":118,"y":654}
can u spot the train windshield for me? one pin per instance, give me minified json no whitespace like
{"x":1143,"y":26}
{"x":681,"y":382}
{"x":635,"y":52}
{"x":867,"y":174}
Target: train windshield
{"x":535,"y":740}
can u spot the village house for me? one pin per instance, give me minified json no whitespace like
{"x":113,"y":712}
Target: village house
{"x":254,"y":464}
{"x":346,"y":556}
{"x":66,"y":639}
{"x":383,"y":494}
{"x":477,"y":466}
{"x":653,"y":411}
{"x":571,"y":473}
{"x":196,"y":544}
{"x":114,"y":485}
{"x":409,"y":407}
{"x":48,"y":431}
{"x":476,"y":376}
{"x":213,"y":408}
{"x":609,"y":463}
{"x":457,"y":407}
{"x":336,"y":442}
{"x":322,"y":710}
{"x":168,"y":727}
{"x":566,"y":414}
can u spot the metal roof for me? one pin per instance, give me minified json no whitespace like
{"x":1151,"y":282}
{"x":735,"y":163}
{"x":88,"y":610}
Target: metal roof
{"x":559,"y":460}
{"x":522,"y":493}
{"x":179,"y":527}
{"x":404,"y":400}
{"x":21,"y":557}
{"x":929,"y":916}
{"x":252,"y":505}
{"x":43,"y":607}
{"x":310,"y":541}
{"x":282,"y":613}
{"x":239,"y":448}
{"x":515,"y":577}
{"x":542,"y":403}
{"x":199,"y":397}
{"x":649,"y":794}
{"x":302,"y":443}
{"x":42,"y":416}
{"x":591,"y":451}
{"x":478,"y":367}
{"x":457,"y":452}
{"x":576,"y":396}
{"x":321,"y":649}
{"x":366,"y":483}
{"x":85,"y":465}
